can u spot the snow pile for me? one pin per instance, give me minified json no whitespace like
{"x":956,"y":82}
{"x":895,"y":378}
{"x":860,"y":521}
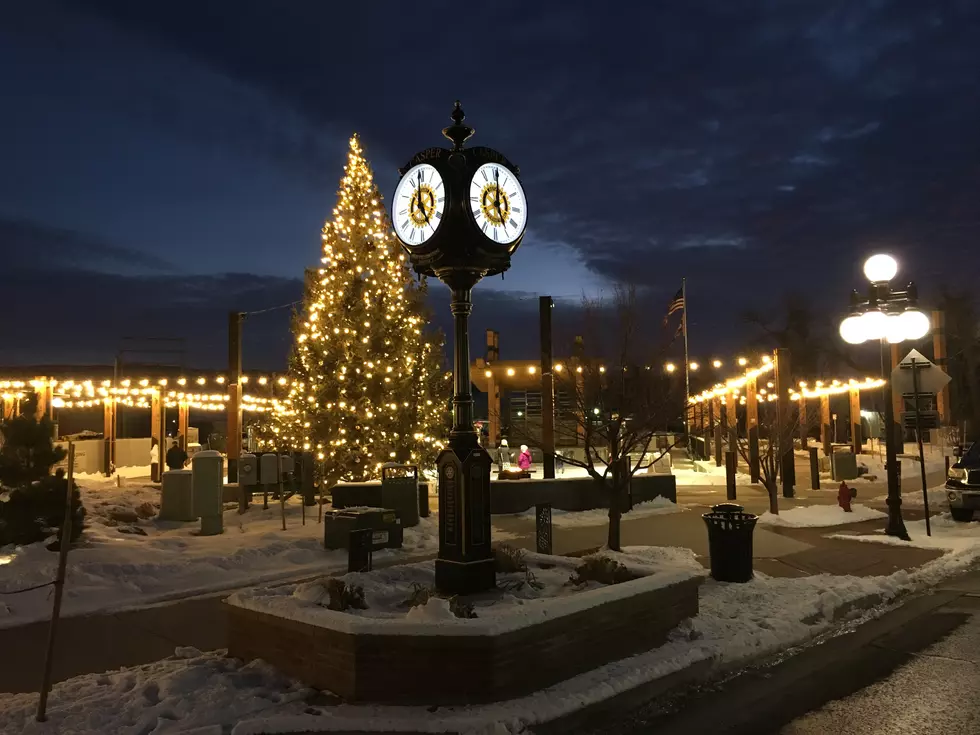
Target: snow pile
{"x":820,"y":516}
{"x":937,"y":499}
{"x":947,"y":535}
{"x":188,"y":691}
{"x":115,"y":565}
{"x":522,"y":598}
{"x":736,"y":623}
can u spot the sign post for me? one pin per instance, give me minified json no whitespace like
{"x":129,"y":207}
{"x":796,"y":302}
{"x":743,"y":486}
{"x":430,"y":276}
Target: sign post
{"x":923,"y":377}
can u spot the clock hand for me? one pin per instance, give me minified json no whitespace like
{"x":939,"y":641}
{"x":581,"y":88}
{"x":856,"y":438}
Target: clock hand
{"x":421,"y":204}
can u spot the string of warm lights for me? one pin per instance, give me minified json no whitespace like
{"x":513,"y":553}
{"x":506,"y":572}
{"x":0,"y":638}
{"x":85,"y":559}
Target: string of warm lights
{"x":734,"y":385}
{"x":834,"y":387}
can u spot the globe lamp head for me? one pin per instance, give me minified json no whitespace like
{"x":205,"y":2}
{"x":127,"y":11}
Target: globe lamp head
{"x":852,"y":330}
{"x":916,"y":324}
{"x":880,"y":268}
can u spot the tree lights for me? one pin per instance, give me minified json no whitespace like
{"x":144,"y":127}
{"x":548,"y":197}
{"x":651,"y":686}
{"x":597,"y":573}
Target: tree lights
{"x":365,"y":385}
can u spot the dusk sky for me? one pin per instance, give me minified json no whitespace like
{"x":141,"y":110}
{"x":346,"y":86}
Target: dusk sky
{"x":162,"y":163}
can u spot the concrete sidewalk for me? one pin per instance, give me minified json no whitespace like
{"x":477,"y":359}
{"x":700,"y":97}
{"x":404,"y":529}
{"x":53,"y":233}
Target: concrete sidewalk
{"x":101,"y":642}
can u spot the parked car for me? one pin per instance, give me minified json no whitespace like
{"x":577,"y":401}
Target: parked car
{"x":963,"y":485}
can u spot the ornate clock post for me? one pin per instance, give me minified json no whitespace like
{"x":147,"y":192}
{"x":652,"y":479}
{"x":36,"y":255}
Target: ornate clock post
{"x":461,"y":214}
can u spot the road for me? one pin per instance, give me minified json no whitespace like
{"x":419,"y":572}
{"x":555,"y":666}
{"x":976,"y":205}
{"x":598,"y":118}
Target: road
{"x":915,"y":670}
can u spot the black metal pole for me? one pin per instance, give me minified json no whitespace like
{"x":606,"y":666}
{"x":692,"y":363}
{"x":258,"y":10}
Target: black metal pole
{"x":918,"y":439}
{"x":545,"y":305}
{"x":896,"y":526}
{"x":463,"y":435}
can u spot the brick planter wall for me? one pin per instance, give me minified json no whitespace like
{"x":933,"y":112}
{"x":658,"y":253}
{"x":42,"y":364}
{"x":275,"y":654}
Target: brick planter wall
{"x":460,"y":669}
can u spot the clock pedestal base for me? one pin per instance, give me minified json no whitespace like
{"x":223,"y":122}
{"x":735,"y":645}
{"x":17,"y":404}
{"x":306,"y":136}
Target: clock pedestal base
{"x":466,"y":563}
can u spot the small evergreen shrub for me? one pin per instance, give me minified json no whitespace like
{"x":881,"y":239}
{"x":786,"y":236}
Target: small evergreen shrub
{"x":32,"y":501}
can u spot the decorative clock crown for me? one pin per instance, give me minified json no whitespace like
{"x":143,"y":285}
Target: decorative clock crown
{"x":458,"y":133}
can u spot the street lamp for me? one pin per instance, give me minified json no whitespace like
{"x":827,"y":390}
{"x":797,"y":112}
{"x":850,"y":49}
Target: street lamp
{"x":892,"y":316}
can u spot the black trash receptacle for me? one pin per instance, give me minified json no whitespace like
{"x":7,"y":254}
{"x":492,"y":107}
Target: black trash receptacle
{"x":730,"y":542}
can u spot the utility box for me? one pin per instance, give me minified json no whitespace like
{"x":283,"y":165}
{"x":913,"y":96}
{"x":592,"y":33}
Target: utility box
{"x":248,"y":470}
{"x":286,"y":468}
{"x":401,"y":493}
{"x":844,"y":466}
{"x":208,"y":469}
{"x":383,"y":522}
{"x":177,"y":496}
{"x":269,"y":469}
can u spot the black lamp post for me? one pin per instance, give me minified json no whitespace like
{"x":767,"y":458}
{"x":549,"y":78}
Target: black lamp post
{"x":461,"y":215}
{"x":888,"y":315}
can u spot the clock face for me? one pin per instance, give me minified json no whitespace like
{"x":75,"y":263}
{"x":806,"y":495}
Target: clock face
{"x":497,"y":203}
{"x":419,"y":204}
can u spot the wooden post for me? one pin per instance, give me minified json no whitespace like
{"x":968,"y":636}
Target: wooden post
{"x":59,"y":586}
{"x":545,"y":306}
{"x":752,"y":427}
{"x":493,"y":410}
{"x":581,"y":400}
{"x":939,"y":356}
{"x":158,"y":415}
{"x":804,"y":425}
{"x":716,"y":422}
{"x":731,"y":425}
{"x":233,"y":409}
{"x":857,"y":441}
{"x":109,"y":434}
{"x":183,"y":422}
{"x":784,"y":416}
{"x":825,"y":437}
{"x":42,"y":392}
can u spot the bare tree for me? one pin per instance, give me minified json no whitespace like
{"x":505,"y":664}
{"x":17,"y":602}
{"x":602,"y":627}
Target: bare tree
{"x":613,"y":402}
{"x":775,"y":436}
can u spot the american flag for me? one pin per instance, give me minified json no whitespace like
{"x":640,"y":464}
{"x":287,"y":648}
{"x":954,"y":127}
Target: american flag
{"x":676,"y":304}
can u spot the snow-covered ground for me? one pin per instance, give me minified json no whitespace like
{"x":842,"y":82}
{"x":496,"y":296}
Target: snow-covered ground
{"x":541,"y":591}
{"x":947,"y":535}
{"x":913,"y":499}
{"x":819,"y":516}
{"x":737,"y":623}
{"x":127,"y":558}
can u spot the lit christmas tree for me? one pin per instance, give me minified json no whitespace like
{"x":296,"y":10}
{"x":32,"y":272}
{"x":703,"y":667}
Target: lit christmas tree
{"x":367,"y":386}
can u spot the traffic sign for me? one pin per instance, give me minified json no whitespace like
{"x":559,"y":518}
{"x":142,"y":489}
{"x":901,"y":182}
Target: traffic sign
{"x":931,"y":377}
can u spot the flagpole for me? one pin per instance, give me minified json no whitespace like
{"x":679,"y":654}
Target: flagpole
{"x":687,"y":369}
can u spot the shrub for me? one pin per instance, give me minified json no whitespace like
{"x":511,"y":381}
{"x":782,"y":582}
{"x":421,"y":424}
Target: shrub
{"x":34,"y":512}
{"x":508,"y":559}
{"x":601,"y":569}
{"x":419,"y":595}
{"x":345,"y":596}
{"x":32,"y":502}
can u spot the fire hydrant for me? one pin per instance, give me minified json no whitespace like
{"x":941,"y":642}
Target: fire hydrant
{"x":844,"y":497}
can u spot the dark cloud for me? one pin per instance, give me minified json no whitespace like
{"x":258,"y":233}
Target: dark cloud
{"x":29,"y":245}
{"x":751,"y":147}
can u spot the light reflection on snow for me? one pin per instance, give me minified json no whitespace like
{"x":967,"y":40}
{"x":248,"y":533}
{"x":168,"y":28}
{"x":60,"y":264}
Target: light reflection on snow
{"x":6,"y":559}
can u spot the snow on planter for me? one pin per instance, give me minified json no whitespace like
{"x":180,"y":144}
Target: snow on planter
{"x":535,"y":629}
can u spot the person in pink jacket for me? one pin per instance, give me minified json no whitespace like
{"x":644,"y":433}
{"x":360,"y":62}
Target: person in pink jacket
{"x":524,"y":461}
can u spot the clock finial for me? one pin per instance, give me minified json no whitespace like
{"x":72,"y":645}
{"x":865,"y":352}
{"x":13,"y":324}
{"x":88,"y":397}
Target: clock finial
{"x":458,"y":133}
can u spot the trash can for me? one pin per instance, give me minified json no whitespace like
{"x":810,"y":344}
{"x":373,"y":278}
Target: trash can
{"x":730,"y":542}
{"x":401,"y":494}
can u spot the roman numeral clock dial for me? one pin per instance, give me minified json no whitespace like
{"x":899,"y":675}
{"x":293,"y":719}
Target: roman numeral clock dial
{"x":419,"y":204}
{"x":497,"y":203}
